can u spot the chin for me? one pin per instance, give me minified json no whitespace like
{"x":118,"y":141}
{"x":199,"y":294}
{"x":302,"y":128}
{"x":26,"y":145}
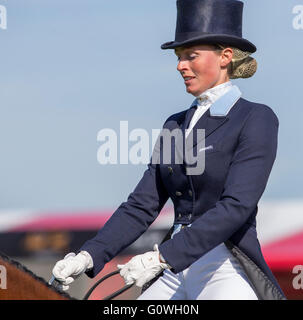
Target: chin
{"x":195,"y":91}
{"x":191,"y":91}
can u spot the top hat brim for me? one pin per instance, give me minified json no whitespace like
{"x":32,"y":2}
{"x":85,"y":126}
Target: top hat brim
{"x":230,"y":40}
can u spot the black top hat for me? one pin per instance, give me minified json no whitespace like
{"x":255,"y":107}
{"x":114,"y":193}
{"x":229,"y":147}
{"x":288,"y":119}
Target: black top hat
{"x":209,"y":22}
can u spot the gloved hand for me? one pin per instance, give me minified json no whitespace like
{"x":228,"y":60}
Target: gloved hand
{"x":143,"y":267}
{"x":71,"y":267}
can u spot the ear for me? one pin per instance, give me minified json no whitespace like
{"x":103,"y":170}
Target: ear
{"x":226,"y":56}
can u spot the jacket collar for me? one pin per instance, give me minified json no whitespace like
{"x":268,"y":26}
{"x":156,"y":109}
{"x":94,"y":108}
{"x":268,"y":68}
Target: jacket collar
{"x":221,"y":105}
{"x":214,"y":117}
{"x":211,"y":120}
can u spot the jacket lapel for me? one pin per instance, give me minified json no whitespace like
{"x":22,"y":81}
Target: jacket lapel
{"x":209,"y":124}
{"x":210,"y":121}
{"x":214,"y":117}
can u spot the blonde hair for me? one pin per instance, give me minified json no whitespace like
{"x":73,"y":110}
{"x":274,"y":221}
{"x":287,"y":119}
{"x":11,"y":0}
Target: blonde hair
{"x":242,"y":65}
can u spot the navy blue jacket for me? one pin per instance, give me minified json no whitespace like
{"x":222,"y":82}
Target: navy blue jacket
{"x":220,"y":204}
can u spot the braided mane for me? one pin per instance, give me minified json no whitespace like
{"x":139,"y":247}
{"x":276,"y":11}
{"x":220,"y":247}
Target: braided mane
{"x":21,"y":267}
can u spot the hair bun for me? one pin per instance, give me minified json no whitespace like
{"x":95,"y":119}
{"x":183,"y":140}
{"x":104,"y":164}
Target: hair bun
{"x":242,"y":65}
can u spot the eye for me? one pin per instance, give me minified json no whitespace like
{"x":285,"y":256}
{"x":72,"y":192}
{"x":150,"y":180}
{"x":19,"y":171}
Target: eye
{"x":192,"y":56}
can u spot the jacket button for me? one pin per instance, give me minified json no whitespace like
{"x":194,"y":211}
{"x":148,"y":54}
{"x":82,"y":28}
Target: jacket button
{"x":190,"y":193}
{"x":178,"y":193}
{"x":170,"y":170}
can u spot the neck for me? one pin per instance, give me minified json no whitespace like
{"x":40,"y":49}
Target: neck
{"x":222,"y":79}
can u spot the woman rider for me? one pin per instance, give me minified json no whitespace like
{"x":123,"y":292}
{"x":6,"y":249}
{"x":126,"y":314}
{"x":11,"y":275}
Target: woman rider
{"x":212,"y":251}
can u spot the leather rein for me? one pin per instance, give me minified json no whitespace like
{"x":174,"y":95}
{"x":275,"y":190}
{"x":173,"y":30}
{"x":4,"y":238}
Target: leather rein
{"x":57,"y":284}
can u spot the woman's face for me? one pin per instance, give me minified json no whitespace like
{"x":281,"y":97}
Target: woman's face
{"x":202,"y":67}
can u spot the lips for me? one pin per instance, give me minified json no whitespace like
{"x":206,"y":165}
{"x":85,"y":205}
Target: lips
{"x":188,"y":79}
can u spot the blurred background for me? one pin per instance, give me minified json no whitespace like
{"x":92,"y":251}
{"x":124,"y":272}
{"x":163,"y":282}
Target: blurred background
{"x":72,"y":68}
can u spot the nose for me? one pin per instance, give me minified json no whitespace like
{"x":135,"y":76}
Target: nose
{"x":182,"y":65}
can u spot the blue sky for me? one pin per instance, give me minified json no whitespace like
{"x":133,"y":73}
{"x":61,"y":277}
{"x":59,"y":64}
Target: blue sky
{"x":72,"y":68}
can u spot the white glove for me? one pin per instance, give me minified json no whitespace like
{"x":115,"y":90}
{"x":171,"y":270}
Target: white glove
{"x":71,"y":267}
{"x":143,"y":267}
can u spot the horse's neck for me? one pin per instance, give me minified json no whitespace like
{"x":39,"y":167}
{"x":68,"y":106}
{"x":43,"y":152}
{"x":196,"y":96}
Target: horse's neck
{"x":23,"y":285}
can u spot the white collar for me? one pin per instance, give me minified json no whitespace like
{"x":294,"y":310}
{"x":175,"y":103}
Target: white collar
{"x":212,"y":94}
